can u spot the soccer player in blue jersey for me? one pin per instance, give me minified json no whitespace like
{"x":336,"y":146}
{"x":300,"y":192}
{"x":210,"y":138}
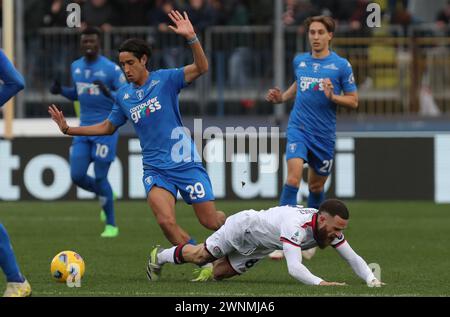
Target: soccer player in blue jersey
{"x":171,"y":162}
{"x":95,"y":78}
{"x":324,"y":81}
{"x":17,"y":285}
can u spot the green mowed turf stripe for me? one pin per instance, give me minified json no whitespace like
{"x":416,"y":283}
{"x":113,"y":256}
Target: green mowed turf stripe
{"x":409,"y":240}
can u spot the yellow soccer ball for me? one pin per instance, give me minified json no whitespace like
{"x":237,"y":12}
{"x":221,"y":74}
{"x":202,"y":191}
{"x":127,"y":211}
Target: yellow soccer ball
{"x":67,"y":265}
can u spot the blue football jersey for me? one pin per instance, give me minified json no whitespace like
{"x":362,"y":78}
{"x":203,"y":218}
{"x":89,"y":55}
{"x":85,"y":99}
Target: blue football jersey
{"x":94,"y":105}
{"x":154,"y":111}
{"x":313,"y":112}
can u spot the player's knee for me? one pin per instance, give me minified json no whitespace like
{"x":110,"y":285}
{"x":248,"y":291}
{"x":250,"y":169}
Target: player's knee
{"x":218,"y":276}
{"x":316,"y":187}
{"x":293,"y":180}
{"x":221,"y":217}
{"x":211,"y":222}
{"x":166,"y":222}
{"x":77,"y":177}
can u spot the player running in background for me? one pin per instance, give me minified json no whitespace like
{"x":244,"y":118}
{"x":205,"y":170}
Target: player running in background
{"x":150,"y":102}
{"x":248,"y":236}
{"x":17,"y":285}
{"x":95,"y":78}
{"x":321,"y":76}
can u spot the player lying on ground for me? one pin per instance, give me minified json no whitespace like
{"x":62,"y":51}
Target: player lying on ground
{"x":249,"y":236}
{"x":150,"y":102}
{"x":17,"y":285}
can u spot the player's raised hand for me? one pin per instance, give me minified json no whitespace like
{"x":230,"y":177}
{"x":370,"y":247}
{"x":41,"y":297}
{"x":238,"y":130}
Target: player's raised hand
{"x":274,"y":95}
{"x":324,"y":283}
{"x":328,"y":88}
{"x":183,"y":26}
{"x":58,"y":117}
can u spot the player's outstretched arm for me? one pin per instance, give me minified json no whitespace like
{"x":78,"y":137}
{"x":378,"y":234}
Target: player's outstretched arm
{"x":358,"y":265}
{"x":184,"y":28}
{"x":293,"y":255}
{"x":275,"y":95}
{"x":104,"y":128}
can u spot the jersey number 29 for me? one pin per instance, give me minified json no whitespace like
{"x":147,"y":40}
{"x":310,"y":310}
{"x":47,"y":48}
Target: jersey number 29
{"x":196,"y":191}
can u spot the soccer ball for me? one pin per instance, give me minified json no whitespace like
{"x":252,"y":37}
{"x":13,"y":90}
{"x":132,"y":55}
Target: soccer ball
{"x":67,"y":264}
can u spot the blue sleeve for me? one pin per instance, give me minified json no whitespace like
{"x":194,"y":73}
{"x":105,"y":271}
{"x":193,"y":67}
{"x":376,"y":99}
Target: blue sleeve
{"x":119,"y":77}
{"x":117,"y":117}
{"x":176,"y":77}
{"x":347,"y":79}
{"x":70,"y":93}
{"x":13,"y":81}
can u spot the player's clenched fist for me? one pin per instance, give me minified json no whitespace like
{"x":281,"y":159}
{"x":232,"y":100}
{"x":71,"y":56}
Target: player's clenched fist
{"x":274,"y":95}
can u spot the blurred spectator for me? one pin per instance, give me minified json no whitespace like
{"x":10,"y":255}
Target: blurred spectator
{"x":261,"y":12}
{"x":201,"y":14}
{"x":100,"y":13}
{"x":443,"y":17}
{"x":134,"y":12}
{"x":240,"y":60}
{"x":56,"y":14}
{"x":168,"y":52}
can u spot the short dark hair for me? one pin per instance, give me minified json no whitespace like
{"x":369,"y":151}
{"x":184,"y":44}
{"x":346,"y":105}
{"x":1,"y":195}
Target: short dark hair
{"x":334,"y":207}
{"x":329,"y":23}
{"x":92,"y":30}
{"x":137,"y":47}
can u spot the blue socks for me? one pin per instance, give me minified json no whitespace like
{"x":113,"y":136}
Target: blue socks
{"x":98,"y":185}
{"x":7,"y":259}
{"x":315,"y":199}
{"x":106,"y":197}
{"x":288,"y":195}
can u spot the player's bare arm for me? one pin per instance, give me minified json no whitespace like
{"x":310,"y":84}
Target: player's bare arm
{"x":349,"y":99}
{"x":104,"y":128}
{"x":275,"y":95}
{"x":184,"y":28}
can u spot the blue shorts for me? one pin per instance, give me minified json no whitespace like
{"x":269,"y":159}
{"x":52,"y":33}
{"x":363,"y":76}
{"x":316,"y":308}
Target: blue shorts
{"x":317,"y":152}
{"x":192,"y":182}
{"x":98,"y":148}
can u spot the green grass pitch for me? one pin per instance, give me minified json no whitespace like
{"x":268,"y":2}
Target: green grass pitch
{"x":409,"y":240}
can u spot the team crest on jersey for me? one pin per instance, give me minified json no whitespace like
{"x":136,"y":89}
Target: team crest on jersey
{"x":292,"y":147}
{"x":316,"y":67}
{"x":140,"y":94}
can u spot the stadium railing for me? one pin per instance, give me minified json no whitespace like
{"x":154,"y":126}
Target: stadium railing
{"x":396,"y":72}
